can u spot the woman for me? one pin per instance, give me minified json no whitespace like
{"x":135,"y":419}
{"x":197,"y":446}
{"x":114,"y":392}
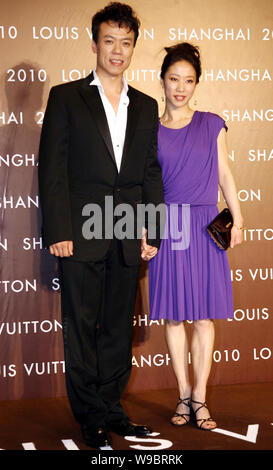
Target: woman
{"x":193,"y":282}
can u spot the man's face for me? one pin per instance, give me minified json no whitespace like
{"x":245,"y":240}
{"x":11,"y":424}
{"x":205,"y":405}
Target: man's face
{"x":114,"y":49}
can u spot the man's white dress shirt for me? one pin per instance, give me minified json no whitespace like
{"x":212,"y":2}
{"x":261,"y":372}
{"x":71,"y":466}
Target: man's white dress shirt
{"x":117,"y":122}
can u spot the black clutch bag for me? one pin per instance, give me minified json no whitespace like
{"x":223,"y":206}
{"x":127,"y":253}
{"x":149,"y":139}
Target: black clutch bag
{"x":220,"y":229}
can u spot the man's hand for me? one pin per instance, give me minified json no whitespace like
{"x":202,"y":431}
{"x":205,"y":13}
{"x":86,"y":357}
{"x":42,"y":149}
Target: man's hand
{"x":62,"y":249}
{"x":147,"y":251}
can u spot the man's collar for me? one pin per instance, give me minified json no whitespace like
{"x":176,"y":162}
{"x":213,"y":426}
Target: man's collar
{"x":96,"y":81}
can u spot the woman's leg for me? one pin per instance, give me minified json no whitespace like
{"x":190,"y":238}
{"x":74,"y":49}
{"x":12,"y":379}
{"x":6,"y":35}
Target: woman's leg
{"x":202,"y":349}
{"x":178,"y":348}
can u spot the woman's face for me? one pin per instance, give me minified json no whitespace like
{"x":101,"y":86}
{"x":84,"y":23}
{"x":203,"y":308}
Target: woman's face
{"x":179,"y":83}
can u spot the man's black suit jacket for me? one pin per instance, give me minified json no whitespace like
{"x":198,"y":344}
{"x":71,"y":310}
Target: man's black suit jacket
{"x":77,"y":165}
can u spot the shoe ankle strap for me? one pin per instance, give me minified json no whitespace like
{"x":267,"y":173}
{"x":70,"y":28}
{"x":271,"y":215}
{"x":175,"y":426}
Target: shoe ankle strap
{"x":183,"y":401}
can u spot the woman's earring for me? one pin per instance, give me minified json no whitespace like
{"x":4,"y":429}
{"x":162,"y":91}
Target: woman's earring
{"x":163,"y":98}
{"x":195,"y":102}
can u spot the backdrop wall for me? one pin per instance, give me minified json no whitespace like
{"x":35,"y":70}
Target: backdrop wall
{"x":46,"y":43}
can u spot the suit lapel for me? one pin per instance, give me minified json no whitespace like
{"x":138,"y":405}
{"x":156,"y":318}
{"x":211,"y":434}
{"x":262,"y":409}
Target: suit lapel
{"x":92,"y":98}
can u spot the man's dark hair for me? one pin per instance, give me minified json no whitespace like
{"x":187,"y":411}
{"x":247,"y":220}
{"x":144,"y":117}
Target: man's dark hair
{"x":119,"y":13}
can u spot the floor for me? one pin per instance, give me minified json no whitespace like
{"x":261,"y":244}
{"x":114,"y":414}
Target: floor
{"x":244,"y":415}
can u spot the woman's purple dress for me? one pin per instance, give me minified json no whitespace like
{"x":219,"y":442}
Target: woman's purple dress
{"x":189,"y":279}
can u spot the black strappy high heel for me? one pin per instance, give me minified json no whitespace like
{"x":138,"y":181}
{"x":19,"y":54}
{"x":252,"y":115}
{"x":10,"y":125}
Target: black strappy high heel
{"x":182,"y":415}
{"x":204,"y":420}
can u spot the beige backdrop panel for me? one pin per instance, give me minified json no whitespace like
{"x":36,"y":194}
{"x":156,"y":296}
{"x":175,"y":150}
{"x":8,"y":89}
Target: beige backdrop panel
{"x":46,"y":43}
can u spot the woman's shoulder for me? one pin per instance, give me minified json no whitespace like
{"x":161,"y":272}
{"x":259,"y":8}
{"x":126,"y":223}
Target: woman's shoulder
{"x":212,"y":119}
{"x":210,"y":116}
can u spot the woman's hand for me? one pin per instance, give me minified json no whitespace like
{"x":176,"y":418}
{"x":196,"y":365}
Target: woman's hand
{"x":237,"y":236}
{"x":147,"y":251}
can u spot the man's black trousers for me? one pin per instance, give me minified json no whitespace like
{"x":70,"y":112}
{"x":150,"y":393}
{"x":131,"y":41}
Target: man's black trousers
{"x":98,"y":300}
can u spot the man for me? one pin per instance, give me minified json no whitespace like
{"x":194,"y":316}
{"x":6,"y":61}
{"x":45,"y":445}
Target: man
{"x":99,"y":140}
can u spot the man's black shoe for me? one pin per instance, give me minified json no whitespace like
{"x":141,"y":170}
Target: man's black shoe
{"x":127,"y":428}
{"x":95,"y":437}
